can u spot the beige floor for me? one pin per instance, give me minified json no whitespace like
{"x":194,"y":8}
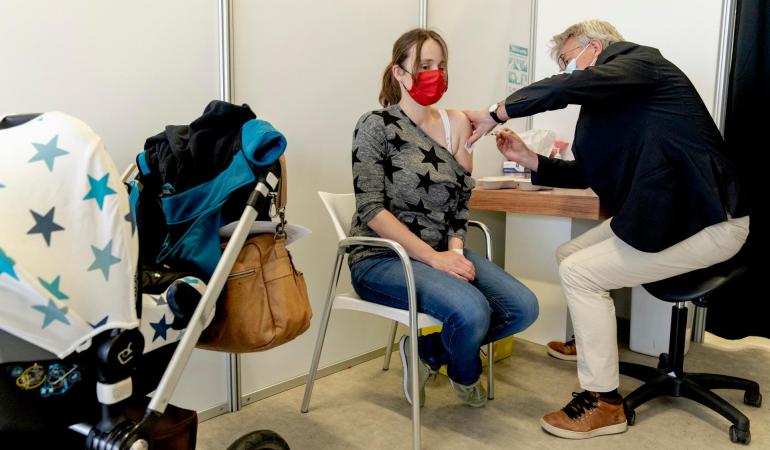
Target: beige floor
{"x":363,"y":408}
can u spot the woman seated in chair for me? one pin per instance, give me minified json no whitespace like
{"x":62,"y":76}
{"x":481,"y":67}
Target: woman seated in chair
{"x":412,"y":184}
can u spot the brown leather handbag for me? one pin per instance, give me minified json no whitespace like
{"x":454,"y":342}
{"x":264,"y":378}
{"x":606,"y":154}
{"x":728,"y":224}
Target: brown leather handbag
{"x":264,"y":302}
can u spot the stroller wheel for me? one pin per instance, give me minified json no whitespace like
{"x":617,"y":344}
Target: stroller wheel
{"x":260,"y":440}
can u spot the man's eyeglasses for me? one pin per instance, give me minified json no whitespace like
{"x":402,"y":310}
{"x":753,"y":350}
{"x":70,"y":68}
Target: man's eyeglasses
{"x":562,"y":61}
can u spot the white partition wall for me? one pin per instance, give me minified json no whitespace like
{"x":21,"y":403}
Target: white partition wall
{"x":127,"y":69}
{"x":479,"y":37}
{"x":311,"y":69}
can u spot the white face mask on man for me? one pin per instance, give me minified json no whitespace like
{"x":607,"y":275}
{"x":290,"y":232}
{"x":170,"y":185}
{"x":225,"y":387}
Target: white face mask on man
{"x":572,"y":65}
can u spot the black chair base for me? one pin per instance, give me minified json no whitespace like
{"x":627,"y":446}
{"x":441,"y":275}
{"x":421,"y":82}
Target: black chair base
{"x":695,"y":386}
{"x":669,"y":378}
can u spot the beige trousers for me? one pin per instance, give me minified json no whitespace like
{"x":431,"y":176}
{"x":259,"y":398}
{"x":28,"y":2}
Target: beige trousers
{"x":597,"y":261}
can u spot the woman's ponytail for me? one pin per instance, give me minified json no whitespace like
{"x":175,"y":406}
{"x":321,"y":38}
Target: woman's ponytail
{"x":390,"y":93}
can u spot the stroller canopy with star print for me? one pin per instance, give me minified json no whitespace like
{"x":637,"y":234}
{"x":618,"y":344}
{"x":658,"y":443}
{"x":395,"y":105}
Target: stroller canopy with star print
{"x":68,"y":245}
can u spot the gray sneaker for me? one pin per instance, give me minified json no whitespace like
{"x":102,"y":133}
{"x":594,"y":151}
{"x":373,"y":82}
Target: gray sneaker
{"x":425,"y":372}
{"x":474,"y":395}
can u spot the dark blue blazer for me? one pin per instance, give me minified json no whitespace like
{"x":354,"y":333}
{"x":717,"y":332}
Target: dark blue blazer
{"x":644,"y":142}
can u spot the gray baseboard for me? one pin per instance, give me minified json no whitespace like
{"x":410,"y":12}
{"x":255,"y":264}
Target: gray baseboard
{"x":300,"y":380}
{"x":210,"y":413}
{"x":291,"y":383}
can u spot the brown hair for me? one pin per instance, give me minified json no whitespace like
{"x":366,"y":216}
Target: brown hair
{"x":390,"y":93}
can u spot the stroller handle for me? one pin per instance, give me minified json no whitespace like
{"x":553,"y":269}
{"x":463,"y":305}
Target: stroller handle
{"x":267,"y":183}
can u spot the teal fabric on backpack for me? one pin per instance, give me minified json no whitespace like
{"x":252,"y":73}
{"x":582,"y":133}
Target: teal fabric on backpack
{"x":195,"y":215}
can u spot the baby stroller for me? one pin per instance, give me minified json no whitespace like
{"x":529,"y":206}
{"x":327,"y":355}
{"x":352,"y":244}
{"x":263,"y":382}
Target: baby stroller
{"x":103,"y":291}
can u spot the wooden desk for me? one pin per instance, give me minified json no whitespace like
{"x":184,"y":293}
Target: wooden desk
{"x":575,"y":203}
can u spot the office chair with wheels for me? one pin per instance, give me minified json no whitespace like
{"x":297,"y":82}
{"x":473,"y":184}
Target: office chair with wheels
{"x":669,"y":378}
{"x":341,"y":208}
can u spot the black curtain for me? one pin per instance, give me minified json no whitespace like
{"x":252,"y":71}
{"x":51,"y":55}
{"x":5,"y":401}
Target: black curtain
{"x":744,"y":310}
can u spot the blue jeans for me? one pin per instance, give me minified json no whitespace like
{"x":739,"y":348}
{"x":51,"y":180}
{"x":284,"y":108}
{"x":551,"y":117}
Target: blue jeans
{"x":491,"y":307}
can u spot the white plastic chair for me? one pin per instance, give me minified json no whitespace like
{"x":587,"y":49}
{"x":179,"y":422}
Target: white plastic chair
{"x":341,"y":208}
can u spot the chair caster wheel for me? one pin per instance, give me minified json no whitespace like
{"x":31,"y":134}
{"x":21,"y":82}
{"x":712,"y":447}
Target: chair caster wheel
{"x":631,"y":417}
{"x":752,"y":399}
{"x":663,"y":361}
{"x":740,"y":436}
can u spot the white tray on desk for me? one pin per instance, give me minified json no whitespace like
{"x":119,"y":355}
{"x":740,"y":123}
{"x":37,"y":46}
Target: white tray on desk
{"x":508,"y":182}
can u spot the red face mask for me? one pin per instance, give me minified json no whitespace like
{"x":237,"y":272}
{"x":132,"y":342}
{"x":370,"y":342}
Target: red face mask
{"x":428,"y":87}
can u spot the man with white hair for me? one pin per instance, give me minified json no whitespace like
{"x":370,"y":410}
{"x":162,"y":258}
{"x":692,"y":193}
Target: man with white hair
{"x":646,"y":144}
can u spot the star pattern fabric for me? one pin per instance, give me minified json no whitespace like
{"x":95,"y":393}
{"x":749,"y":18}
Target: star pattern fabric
{"x":389,"y":168}
{"x":419,"y":207}
{"x":425,"y":182}
{"x":158,"y":318}
{"x":357,"y":189}
{"x":388,"y":118}
{"x":100,"y":323}
{"x":6,"y":265}
{"x":431,"y":157}
{"x":51,"y":312}
{"x":63,"y":222}
{"x":130,"y":219}
{"x":103,"y":259}
{"x":48,"y":152}
{"x":45,"y":225}
{"x":398,"y":167}
{"x":397,"y":142}
{"x":415,"y":227}
{"x":160,"y":327}
{"x":99,"y":189}
{"x":53,"y":288}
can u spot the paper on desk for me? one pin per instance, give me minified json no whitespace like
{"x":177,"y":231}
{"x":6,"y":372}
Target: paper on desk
{"x":525,"y":184}
{"x":509,"y":182}
{"x":293,"y":232}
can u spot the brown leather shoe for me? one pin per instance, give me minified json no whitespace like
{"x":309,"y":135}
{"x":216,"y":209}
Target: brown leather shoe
{"x":563,"y":350}
{"x":586,"y":416}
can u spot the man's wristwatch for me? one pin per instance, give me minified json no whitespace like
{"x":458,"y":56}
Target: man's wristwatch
{"x":493,"y":113}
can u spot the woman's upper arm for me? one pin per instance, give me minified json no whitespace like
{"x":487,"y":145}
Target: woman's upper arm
{"x":368,"y":176}
{"x":461,"y":130}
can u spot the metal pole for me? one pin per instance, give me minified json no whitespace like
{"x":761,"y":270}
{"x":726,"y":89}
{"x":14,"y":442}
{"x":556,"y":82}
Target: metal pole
{"x":224,"y":50}
{"x":532,"y":43}
{"x":225,"y":94}
{"x":699,"y":325}
{"x":422,"y":18}
{"x":724,"y":61}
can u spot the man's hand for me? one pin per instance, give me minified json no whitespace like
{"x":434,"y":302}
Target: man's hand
{"x":481,"y":124}
{"x":454,"y":264}
{"x":514,"y":149}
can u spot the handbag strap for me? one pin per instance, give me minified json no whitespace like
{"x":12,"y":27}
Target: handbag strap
{"x":280,"y":200}
{"x":282,"y":185}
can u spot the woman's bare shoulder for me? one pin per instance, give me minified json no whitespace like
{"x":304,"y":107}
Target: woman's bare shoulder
{"x":458,"y":118}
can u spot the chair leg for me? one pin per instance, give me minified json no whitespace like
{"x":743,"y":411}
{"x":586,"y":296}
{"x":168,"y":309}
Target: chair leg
{"x":658,"y":387}
{"x":639,"y":371}
{"x":718,"y":404}
{"x":322,"y":332}
{"x":491,"y":371}
{"x":389,"y":345}
{"x":414,"y":379}
{"x":717,"y":381}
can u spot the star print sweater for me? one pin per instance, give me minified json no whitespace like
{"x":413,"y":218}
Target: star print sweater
{"x":398,"y":167}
